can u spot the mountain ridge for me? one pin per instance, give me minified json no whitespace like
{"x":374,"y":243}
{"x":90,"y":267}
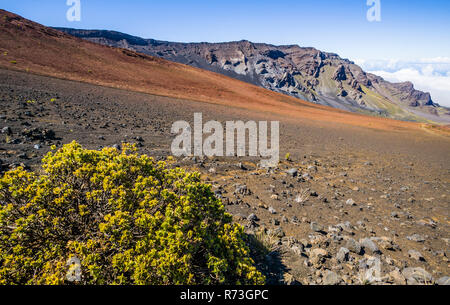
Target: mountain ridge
{"x":303,"y":72}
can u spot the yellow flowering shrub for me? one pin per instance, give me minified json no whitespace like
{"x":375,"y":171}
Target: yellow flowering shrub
{"x":126,"y":218}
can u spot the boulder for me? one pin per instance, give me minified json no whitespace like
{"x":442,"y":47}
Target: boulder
{"x":369,"y":246}
{"x":342,"y":255}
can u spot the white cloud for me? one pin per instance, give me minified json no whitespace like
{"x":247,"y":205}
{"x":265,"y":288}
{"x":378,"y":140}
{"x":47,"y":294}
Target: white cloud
{"x":427,"y":74}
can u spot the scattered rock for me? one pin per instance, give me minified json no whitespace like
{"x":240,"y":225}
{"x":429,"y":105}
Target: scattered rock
{"x":369,"y":246}
{"x":312,"y":168}
{"x":342,"y":255}
{"x":397,"y":277}
{"x":346,"y":227}
{"x":316,"y":227}
{"x":241,"y":166}
{"x":427,"y":222}
{"x":242,"y":189}
{"x":295,"y":220}
{"x":416,"y":237}
{"x":35,"y":134}
{"x":386,"y":243}
{"x":313,"y":194}
{"x":353,"y":246}
{"x":350,"y":202}
{"x":411,"y":200}
{"x":275,"y":221}
{"x":331,"y":278}
{"x":318,"y":256}
{"x":395,"y":215}
{"x":416,"y":255}
{"x":7,"y":130}
{"x":292,"y":172}
{"x":306,"y":176}
{"x":218,"y":194}
{"x":298,"y":249}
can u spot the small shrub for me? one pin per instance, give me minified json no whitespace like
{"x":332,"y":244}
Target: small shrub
{"x":302,"y":196}
{"x":127,"y":219}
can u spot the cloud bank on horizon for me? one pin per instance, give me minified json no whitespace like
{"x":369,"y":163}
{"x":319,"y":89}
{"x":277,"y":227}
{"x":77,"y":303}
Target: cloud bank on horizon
{"x":427,"y":74}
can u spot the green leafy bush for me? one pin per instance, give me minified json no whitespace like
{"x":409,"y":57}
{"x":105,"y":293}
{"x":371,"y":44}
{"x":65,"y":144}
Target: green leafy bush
{"x":126,"y":218}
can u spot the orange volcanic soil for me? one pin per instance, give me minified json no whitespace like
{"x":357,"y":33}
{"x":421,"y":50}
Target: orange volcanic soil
{"x":28,"y":46}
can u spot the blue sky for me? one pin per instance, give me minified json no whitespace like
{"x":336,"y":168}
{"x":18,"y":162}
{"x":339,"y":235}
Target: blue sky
{"x":409,"y":31}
